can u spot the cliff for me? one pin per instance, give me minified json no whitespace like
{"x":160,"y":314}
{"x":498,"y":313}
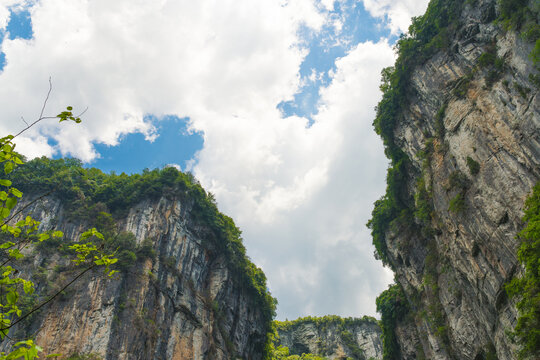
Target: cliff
{"x":185,"y":289}
{"x":332,"y":337}
{"x":460,"y":122}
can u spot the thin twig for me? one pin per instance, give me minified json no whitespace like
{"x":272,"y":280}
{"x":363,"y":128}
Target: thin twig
{"x":46,"y":99}
{"x":22,"y":118}
{"x":41,"y":117}
{"x":81,"y":114}
{"x":42,"y":111}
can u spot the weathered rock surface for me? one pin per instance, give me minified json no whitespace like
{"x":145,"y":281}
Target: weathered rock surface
{"x":185,"y":304}
{"x":333,"y":338}
{"x":471,"y":251}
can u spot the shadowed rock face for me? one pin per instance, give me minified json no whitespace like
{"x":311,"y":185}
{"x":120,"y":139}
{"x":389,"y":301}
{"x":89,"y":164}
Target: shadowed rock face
{"x":333,"y":339}
{"x":470,"y":252}
{"x":185,"y":304}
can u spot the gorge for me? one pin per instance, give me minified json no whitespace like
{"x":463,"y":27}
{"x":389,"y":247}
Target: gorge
{"x":460,"y":122}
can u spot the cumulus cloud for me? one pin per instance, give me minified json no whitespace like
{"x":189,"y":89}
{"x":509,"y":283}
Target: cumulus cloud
{"x":123,"y":61}
{"x":399,"y":13}
{"x":303,"y":195}
{"x":301,"y":192}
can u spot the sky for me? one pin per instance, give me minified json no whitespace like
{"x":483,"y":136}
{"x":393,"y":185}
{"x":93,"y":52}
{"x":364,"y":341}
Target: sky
{"x":269,"y":103}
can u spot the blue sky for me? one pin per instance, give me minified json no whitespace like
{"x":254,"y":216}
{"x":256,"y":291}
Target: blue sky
{"x":269,"y":104}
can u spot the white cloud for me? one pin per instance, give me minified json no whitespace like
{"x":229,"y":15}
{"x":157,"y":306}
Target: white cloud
{"x":328,"y":4}
{"x":301,"y":195}
{"x":125,"y":59}
{"x":399,"y":12}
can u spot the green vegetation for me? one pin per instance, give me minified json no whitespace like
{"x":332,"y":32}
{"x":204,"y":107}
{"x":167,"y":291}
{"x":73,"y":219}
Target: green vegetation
{"x":493,"y":63}
{"x":457,"y":203}
{"x":462,"y":86}
{"x":340,"y":325}
{"x":522,"y":90}
{"x":489,"y":352}
{"x":84,"y":357}
{"x":434,"y":312}
{"x":473,"y":165}
{"x":458,"y":180}
{"x":282,"y":353}
{"x":439,"y":121}
{"x":99,"y":199}
{"x":527,"y":287}
{"x":322,"y":322}
{"x":520,"y":16}
{"x":427,"y":35}
{"x":393,"y":306}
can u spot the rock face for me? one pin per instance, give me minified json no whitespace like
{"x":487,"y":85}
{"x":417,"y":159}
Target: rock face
{"x":476,"y":174}
{"x":332,"y":337}
{"x":184,"y":304}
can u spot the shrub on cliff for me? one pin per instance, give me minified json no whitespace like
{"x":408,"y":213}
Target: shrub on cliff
{"x":393,"y":306}
{"x":527,"y":287}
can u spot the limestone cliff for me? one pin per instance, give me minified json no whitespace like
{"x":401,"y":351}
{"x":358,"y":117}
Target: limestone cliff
{"x":332,"y":337}
{"x":185,"y":300}
{"x":461,"y":125}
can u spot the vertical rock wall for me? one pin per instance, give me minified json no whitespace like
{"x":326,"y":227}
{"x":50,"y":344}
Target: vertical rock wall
{"x":477,"y":173}
{"x":185,"y":304}
{"x":332,"y":337}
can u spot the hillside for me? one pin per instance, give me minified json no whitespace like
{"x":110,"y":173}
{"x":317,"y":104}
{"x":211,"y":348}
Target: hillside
{"x":185,"y":287}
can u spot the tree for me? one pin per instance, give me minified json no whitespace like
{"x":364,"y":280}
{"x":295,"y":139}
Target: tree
{"x":17,"y":236}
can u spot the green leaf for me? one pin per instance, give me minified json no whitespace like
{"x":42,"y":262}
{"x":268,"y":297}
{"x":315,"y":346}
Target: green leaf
{"x":57,"y":234}
{"x":90,"y":233}
{"x":3,"y":195}
{"x":43,"y":237}
{"x":7,"y":245}
{"x":12,"y":297}
{"x":112,"y":272}
{"x":5,"y":182}
{"x":7,"y":148}
{"x":28,"y":287}
{"x":16,"y":192}
{"x":8,"y":167}
{"x":11,"y":202}
{"x":4,"y":212}
{"x":15,"y":253}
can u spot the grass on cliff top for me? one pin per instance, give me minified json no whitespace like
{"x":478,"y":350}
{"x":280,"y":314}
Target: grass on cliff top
{"x":87,"y":192}
{"x":324,"y":321}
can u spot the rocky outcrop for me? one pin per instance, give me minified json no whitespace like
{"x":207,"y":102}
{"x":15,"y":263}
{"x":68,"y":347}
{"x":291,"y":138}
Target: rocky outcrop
{"x":185,"y":303}
{"x":332,"y":337}
{"x":471,"y":132}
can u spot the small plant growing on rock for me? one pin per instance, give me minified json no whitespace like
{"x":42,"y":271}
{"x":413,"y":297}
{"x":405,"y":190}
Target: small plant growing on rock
{"x":473,"y":165}
{"x":458,"y":180}
{"x":457,"y":204}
